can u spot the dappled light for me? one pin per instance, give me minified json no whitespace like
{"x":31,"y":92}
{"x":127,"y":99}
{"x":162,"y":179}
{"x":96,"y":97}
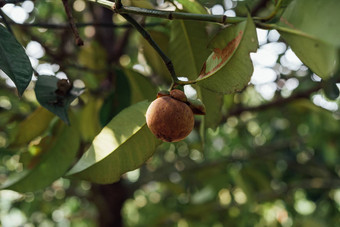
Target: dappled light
{"x":261,"y":80}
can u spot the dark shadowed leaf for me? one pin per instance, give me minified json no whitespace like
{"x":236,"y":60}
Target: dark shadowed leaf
{"x":123,"y":145}
{"x":14,"y":61}
{"x":117,"y":100}
{"x":188,"y":47}
{"x":229,"y":68}
{"x":58,"y":153}
{"x":56,"y":95}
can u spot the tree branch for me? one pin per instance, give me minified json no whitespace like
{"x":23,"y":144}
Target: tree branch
{"x":78,"y":25}
{"x":170,"y":15}
{"x":79,"y":41}
{"x":148,"y":38}
{"x":278,"y":102}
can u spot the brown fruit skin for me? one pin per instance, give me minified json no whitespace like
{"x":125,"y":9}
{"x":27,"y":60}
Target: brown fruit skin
{"x":169,"y":119}
{"x":179,"y":95}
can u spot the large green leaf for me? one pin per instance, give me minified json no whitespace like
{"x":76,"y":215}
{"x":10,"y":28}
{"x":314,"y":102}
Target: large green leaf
{"x":59,"y":151}
{"x":123,"y":145}
{"x":34,"y":125}
{"x":56,"y":95}
{"x":14,"y":61}
{"x":118,"y":99}
{"x":189,"y":51}
{"x":312,"y":30}
{"x":213,"y":103}
{"x":187,"y":48}
{"x":229,"y":68}
{"x":88,"y":120}
{"x":141,"y":87}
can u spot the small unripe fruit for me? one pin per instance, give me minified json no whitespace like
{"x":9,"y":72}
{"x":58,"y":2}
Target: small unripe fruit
{"x":170,"y":119}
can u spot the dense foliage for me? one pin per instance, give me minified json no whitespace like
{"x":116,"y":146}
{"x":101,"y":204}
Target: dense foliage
{"x":78,"y":76}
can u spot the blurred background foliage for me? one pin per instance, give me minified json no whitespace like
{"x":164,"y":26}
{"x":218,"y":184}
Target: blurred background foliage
{"x":271,"y":160}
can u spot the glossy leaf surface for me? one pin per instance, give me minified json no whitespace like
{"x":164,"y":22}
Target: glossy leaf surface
{"x":123,"y":145}
{"x":14,"y":61}
{"x":54,"y":97}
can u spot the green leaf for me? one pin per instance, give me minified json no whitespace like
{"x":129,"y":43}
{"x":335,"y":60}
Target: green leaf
{"x":88,"y":120}
{"x":188,"y":47}
{"x":192,"y":6}
{"x":313,"y":36}
{"x":48,"y":95}
{"x":213,"y":103}
{"x":123,"y":145}
{"x":58,"y":155}
{"x":117,"y":100}
{"x":330,"y":89}
{"x":34,"y":125}
{"x":229,"y":68}
{"x":14,"y":61}
{"x":152,"y":57}
{"x":141,"y":87}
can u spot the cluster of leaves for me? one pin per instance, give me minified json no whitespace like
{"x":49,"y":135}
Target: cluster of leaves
{"x":107,"y":135}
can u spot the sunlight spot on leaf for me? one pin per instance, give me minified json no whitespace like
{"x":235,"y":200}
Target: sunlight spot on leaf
{"x":105,"y":142}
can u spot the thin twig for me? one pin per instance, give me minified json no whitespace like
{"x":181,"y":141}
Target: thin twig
{"x":79,"y":41}
{"x":148,"y":38}
{"x":278,"y":102}
{"x":170,"y":15}
{"x":78,"y":25}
